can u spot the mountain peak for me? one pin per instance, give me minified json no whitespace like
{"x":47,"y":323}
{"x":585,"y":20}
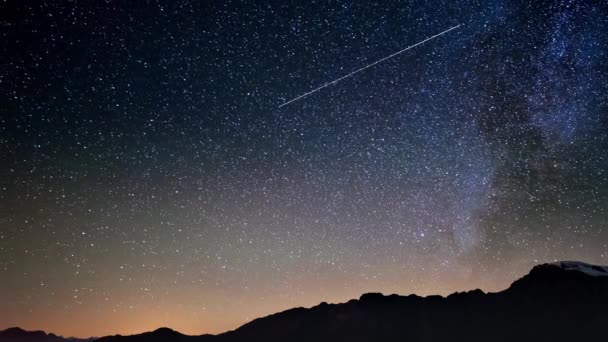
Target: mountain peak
{"x":371,"y":296}
{"x":12,"y":331}
{"x":592,"y":270}
{"x":574,"y":280}
{"x":16,"y":332}
{"x":165,"y":331}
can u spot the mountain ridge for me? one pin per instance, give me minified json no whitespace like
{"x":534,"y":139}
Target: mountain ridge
{"x":559,"y":301}
{"x":22,"y":335}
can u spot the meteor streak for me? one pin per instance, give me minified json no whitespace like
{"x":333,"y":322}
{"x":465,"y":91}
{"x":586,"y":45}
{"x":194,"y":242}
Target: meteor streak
{"x":369,"y":65}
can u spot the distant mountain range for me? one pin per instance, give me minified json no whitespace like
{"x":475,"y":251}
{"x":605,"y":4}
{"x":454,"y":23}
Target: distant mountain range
{"x":20,"y":335}
{"x":563,"y":301}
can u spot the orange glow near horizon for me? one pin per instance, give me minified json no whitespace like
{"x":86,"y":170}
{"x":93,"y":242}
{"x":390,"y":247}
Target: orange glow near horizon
{"x":214,"y":314}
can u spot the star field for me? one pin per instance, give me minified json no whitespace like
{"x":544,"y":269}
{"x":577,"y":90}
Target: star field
{"x":148,"y":177}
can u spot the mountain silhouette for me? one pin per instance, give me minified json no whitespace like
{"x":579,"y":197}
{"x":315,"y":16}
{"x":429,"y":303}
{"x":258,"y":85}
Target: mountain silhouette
{"x":563,"y":301}
{"x":161,"y":334}
{"x":19,"y":335}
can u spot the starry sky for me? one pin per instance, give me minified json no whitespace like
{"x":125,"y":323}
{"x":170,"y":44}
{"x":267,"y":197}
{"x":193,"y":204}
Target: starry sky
{"x":149,"y":178}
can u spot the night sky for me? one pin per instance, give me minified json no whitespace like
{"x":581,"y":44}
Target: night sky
{"x":149,"y":178}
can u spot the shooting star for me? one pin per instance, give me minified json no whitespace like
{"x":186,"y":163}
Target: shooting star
{"x":369,"y":65}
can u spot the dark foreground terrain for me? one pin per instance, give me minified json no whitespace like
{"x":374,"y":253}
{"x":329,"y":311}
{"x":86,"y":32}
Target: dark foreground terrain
{"x":565,"y":301}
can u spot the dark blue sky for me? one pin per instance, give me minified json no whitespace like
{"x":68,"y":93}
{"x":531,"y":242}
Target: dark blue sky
{"x":149,"y":178}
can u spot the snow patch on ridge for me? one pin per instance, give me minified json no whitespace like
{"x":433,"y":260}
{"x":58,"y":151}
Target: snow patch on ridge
{"x":592,"y":270}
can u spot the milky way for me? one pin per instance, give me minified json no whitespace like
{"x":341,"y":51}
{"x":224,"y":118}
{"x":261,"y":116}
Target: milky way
{"x":148,"y":179}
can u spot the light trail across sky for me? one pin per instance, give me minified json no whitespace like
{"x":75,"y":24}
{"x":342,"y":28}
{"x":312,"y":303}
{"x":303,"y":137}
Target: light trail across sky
{"x":369,"y":65}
